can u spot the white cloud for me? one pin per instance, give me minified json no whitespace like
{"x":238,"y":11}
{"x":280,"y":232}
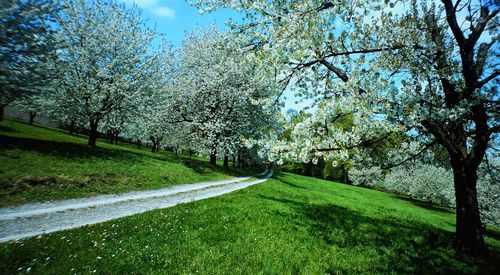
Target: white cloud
{"x":164,"y":11}
{"x":152,"y":5}
{"x":143,"y":3}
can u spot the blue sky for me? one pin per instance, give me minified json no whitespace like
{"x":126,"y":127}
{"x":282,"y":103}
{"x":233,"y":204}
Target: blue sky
{"x":175,"y":17}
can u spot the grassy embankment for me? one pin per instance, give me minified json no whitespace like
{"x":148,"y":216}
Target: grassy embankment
{"x":289,"y":224}
{"x":39,"y":163}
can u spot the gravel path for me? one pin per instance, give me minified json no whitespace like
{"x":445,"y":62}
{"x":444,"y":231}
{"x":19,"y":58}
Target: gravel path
{"x":35,"y":219}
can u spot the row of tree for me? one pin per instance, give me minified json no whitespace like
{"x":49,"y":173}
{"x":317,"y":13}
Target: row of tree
{"x":98,"y":69}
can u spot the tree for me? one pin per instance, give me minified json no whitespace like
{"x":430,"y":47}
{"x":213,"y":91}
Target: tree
{"x":26,"y":46}
{"x":145,"y":112}
{"x":104,"y":60}
{"x":425,"y":68}
{"x":219,"y":93}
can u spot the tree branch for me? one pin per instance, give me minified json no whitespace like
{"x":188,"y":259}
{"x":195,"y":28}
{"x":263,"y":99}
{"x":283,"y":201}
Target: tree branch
{"x":452,"y":22}
{"x":487,"y":79}
{"x":335,"y":70}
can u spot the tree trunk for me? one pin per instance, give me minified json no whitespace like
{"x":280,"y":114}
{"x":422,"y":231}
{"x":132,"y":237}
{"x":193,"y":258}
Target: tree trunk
{"x":32,"y":117}
{"x":72,"y":127}
{"x":234,"y":161}
{"x":213,"y":155}
{"x":1,"y":113}
{"x":109,"y":137}
{"x":93,"y":133}
{"x":138,"y":144}
{"x":226,"y":161}
{"x":469,"y":229}
{"x":153,"y":146}
{"x":344,"y":173}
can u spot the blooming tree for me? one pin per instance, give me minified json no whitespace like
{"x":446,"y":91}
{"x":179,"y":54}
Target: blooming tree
{"x":425,"y":68}
{"x":26,"y":46}
{"x":220,"y":93}
{"x":143,"y":114}
{"x":104,"y":60}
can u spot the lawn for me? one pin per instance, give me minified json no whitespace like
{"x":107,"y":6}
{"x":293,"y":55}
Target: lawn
{"x":40,"y":163}
{"x":289,"y":224}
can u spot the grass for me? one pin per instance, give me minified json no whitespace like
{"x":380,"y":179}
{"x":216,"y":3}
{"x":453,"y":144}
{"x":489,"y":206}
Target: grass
{"x":289,"y":224}
{"x":40,"y":163}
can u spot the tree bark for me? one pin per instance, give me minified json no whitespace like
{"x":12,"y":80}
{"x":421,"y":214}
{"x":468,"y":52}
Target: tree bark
{"x":344,"y":173}
{"x":154,"y":146}
{"x":72,"y":127}
{"x":226,"y":161}
{"x":469,"y":229}
{"x":93,"y":133}
{"x":32,"y":117}
{"x":213,"y":155}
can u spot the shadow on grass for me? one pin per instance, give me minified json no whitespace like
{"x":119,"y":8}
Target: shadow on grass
{"x":289,"y":183}
{"x":400,"y":246}
{"x":426,"y":205}
{"x":7,"y":129}
{"x":76,"y":151}
{"x":66,"y":150}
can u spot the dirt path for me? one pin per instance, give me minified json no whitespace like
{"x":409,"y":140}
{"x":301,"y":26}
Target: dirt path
{"x":30,"y":220}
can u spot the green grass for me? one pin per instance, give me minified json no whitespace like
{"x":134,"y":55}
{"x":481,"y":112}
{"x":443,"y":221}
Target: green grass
{"x":40,"y":163}
{"x":289,"y":224}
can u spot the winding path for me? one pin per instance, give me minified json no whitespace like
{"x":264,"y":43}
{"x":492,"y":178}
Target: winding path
{"x":24,"y":221}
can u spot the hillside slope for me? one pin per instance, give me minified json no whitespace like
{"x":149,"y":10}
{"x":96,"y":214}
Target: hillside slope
{"x":289,"y":224}
{"x":40,"y":163}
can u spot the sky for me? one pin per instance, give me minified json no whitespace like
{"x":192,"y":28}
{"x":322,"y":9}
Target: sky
{"x":175,"y":17}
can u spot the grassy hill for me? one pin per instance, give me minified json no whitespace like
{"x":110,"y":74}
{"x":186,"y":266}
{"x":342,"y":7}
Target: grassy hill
{"x":289,"y":224}
{"x":40,"y":163}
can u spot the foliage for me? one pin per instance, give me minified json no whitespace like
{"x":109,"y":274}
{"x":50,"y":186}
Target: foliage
{"x":27,"y":45}
{"x":104,"y":63}
{"x":219,"y":94}
{"x":365,"y":176}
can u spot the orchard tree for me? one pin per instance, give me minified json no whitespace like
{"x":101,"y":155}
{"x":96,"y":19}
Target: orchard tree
{"x":26,"y":45}
{"x":144,"y":111}
{"x":32,"y":104}
{"x":425,"y":68}
{"x":105,"y":59}
{"x":220,"y":93}
{"x":147,"y":112}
